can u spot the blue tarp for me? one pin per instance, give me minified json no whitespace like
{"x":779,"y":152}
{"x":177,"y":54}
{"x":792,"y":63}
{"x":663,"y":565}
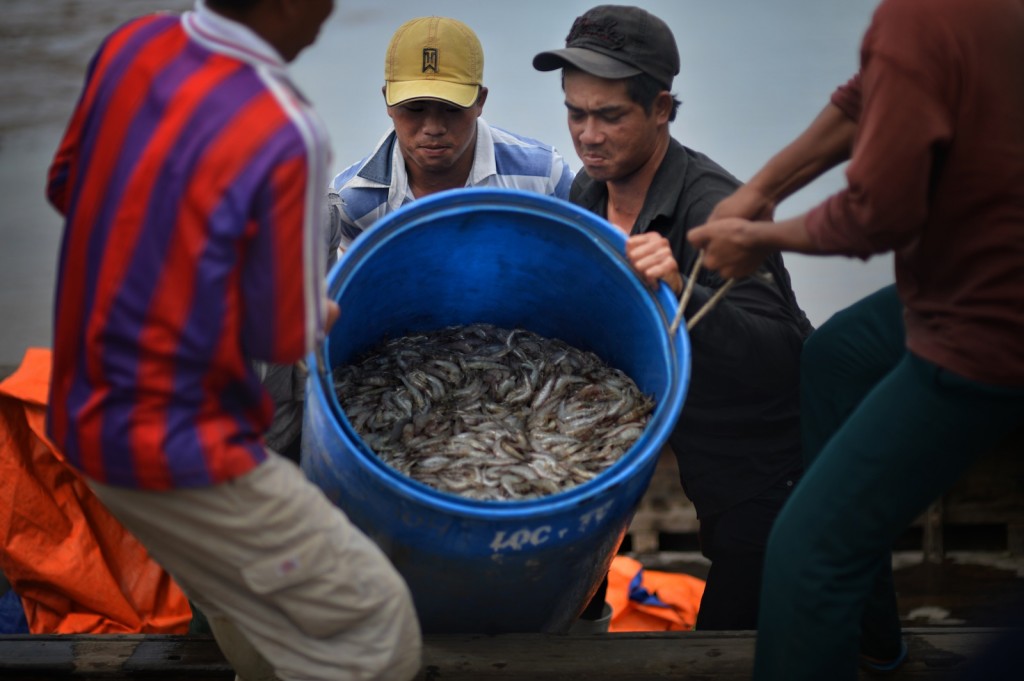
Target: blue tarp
{"x":12,"y":615}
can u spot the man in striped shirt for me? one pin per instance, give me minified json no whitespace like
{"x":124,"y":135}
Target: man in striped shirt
{"x":433,"y":73}
{"x":190,"y":178}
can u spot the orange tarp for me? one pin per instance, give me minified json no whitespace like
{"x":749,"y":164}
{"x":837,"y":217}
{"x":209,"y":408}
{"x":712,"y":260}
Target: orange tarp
{"x":651,"y":600}
{"x":77,"y":570}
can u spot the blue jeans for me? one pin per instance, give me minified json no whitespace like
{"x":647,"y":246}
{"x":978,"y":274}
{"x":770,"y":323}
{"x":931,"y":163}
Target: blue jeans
{"x":885,"y":434}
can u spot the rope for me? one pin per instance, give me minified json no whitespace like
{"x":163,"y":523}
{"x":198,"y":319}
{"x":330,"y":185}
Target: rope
{"x":719,"y":294}
{"x":688,"y":292}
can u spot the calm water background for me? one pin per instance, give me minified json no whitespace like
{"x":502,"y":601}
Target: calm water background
{"x":754,"y":74}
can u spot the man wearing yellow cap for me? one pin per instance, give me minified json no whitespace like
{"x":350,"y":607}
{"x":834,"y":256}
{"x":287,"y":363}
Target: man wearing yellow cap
{"x":433,"y":73}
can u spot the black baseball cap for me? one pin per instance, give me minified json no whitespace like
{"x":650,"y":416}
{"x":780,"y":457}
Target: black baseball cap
{"x":617,"y":41}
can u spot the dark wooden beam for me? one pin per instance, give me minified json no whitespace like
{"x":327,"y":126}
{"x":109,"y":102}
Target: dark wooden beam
{"x":935,"y":653}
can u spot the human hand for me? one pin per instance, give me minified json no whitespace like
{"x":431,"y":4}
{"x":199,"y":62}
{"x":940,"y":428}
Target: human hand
{"x":746,"y":202}
{"x":332,"y":314}
{"x":731,"y":246}
{"x":651,"y":256}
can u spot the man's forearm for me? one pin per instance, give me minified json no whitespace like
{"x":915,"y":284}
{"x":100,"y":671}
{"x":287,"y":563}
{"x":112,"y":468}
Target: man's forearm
{"x":788,"y":235}
{"x":735,"y":247}
{"x":825,"y":143}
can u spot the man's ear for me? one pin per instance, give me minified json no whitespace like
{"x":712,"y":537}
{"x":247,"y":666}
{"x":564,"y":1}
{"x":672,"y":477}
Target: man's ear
{"x":480,"y":99}
{"x":662,"y":108}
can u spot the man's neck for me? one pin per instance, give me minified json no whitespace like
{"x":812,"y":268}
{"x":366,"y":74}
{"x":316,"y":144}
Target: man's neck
{"x":626,"y":195}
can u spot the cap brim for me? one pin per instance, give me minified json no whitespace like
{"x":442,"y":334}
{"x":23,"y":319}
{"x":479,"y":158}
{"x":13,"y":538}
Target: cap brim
{"x":458,"y":94}
{"x":592,"y":62}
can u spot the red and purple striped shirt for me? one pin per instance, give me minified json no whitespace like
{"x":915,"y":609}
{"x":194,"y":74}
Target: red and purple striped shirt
{"x":190,"y":178}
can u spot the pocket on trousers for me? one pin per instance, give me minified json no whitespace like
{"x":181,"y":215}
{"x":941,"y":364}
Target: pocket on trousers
{"x":294,"y":565}
{"x":324,"y":589}
{"x":311,"y":584}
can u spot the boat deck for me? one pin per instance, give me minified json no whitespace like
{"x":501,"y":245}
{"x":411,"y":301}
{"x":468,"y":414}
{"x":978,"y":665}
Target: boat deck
{"x":935,"y":653}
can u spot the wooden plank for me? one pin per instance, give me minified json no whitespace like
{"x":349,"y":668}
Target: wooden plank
{"x":935,"y":653}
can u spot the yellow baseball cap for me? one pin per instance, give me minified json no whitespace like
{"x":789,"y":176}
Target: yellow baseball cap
{"x":433,"y":58}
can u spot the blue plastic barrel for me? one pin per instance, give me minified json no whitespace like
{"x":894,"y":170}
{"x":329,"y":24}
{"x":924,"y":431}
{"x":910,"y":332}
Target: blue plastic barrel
{"x":516,"y":260}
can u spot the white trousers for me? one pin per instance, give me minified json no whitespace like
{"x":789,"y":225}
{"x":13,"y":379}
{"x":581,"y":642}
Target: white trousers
{"x":290,"y":587}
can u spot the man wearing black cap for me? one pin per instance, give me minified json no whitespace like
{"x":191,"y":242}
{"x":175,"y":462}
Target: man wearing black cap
{"x":737,"y":440}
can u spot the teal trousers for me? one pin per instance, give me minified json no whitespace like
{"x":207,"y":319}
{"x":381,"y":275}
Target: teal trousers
{"x":885,"y":434}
